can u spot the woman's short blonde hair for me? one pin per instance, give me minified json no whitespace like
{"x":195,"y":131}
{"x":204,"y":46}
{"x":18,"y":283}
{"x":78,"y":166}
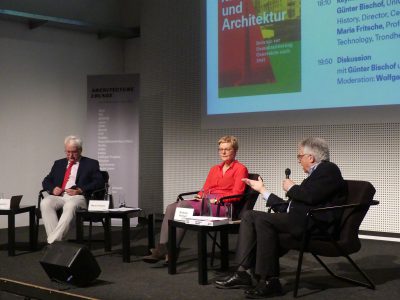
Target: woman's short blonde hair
{"x":231,"y":140}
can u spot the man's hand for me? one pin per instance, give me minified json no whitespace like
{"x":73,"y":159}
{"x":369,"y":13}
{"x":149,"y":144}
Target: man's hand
{"x":287,"y":184}
{"x":74,"y":192}
{"x":256,"y":185}
{"x":57,"y":191}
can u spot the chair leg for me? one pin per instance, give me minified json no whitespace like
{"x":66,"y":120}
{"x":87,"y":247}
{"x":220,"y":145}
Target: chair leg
{"x":214,"y":241}
{"x":303,"y":247}
{"x":151,"y":223}
{"x":298,"y":273}
{"x":107,"y":233}
{"x":37,"y":231}
{"x":90,"y":235}
{"x":369,"y":283}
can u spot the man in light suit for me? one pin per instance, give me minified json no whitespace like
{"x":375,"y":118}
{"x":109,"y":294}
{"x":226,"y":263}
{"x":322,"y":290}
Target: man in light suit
{"x":69,"y":184}
{"x":258,"y":243}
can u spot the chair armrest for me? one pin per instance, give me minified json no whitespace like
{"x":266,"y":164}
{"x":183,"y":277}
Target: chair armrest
{"x":324,"y":225}
{"x":93,"y":194}
{"x":222,"y":201}
{"x":327,"y":208}
{"x":340,"y":207}
{"x":41,"y":196}
{"x":180,"y":196}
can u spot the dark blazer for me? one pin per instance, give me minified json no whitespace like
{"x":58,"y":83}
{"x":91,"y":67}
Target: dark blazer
{"x":324,"y":187}
{"x":88,"y":178}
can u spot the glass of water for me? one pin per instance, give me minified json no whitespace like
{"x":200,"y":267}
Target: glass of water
{"x":121,"y":200}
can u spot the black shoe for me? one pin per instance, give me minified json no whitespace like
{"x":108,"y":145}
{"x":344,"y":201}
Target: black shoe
{"x":265,"y":289}
{"x":239,"y":279}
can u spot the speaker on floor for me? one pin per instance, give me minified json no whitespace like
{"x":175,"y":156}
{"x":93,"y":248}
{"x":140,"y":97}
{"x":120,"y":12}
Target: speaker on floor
{"x":70,"y":263}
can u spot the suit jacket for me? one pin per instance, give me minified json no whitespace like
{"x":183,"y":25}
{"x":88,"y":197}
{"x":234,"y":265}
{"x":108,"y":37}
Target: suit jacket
{"x":324,"y":187}
{"x":88,"y":177}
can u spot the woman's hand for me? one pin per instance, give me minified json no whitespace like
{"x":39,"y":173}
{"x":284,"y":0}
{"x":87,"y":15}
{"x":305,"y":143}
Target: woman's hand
{"x":213,"y":201}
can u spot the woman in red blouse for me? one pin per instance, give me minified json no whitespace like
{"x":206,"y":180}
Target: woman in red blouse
{"x":224,"y":179}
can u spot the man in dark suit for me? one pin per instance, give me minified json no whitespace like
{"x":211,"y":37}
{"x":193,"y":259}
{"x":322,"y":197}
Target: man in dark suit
{"x":258,"y":245}
{"x":69,"y":183}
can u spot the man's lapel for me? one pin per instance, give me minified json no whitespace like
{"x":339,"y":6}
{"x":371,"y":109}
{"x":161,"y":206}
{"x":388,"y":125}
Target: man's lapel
{"x":80,"y":167}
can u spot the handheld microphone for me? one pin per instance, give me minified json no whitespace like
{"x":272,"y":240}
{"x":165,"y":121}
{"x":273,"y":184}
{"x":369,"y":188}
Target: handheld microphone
{"x":287,"y":173}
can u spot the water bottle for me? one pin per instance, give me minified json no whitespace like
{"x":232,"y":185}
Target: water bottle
{"x":205,"y":203}
{"x":209,"y":207}
{"x":108,"y":197}
{"x":201,"y":193}
{"x":228,"y":211}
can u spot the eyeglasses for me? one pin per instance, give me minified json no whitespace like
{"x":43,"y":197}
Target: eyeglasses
{"x":225,"y":149}
{"x":300,"y":156}
{"x":72,"y":152}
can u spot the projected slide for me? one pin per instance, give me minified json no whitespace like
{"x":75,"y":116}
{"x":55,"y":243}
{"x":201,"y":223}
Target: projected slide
{"x":273,"y":55}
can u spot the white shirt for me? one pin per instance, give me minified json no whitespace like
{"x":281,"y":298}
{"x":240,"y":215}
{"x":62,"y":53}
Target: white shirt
{"x":72,"y":177}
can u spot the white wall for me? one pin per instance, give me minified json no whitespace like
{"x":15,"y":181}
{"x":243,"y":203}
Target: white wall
{"x":43,"y":99}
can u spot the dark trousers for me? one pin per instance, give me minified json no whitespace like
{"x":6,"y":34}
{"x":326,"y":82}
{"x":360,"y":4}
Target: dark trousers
{"x":258,"y":243}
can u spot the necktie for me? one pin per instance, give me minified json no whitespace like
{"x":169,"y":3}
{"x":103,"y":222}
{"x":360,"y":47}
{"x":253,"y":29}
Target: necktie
{"x":66,"y":176}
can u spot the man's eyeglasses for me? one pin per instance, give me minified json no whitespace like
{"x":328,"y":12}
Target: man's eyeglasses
{"x":225,"y":149}
{"x":72,"y":152}
{"x":300,"y":156}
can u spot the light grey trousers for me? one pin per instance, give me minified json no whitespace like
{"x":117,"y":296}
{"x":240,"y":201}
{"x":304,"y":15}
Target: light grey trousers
{"x":57,"y":229}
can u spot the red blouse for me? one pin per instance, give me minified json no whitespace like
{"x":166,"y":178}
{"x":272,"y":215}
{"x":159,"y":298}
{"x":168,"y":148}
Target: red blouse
{"x":227,"y":184}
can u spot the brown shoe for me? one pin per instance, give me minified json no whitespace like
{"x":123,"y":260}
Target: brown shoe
{"x":155,"y":256}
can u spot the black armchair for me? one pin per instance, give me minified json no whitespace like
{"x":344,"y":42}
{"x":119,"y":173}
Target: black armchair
{"x":98,"y":194}
{"x":247,"y":201}
{"x":334,"y":239}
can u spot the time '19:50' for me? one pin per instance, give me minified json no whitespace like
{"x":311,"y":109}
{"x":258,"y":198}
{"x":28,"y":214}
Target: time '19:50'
{"x":325,"y":61}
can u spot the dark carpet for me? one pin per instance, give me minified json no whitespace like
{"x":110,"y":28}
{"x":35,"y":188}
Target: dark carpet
{"x":138,"y":280}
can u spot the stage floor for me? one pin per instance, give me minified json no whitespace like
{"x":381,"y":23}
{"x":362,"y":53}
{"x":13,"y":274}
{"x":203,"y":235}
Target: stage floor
{"x":138,"y":280}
